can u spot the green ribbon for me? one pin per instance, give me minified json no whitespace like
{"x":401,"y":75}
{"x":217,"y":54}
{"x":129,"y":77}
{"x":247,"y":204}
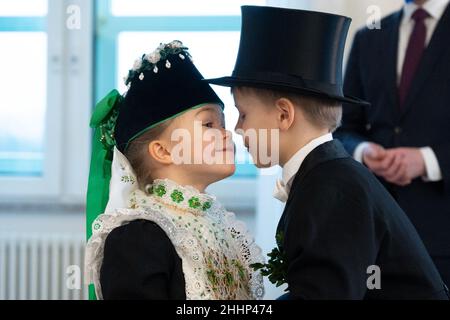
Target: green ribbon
{"x":103,"y":122}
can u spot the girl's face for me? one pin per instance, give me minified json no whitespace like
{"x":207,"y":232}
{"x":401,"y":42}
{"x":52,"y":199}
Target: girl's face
{"x":200,"y":145}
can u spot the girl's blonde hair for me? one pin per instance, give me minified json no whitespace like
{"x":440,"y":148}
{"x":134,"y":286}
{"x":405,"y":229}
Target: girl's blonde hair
{"x":137,"y":153}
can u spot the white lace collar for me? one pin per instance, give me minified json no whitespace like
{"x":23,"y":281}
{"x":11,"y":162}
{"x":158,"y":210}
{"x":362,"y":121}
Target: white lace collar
{"x":176,"y":196}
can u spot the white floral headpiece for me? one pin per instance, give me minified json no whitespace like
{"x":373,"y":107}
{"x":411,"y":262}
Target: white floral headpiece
{"x":148,"y":62}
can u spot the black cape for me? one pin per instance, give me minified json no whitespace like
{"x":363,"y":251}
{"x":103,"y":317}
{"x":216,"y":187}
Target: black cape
{"x":140,"y":262}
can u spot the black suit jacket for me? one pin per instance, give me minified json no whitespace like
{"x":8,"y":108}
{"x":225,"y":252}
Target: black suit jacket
{"x":338,"y":221}
{"x":424,"y":121}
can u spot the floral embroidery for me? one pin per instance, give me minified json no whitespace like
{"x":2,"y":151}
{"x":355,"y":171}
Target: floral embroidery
{"x":206,"y":206}
{"x":160,"y":190}
{"x":194,"y":203}
{"x":226,"y":276}
{"x":97,"y":226}
{"x":217,"y":248}
{"x":184,"y":198}
{"x":127,"y":179}
{"x":107,"y":130}
{"x":177,"y":196}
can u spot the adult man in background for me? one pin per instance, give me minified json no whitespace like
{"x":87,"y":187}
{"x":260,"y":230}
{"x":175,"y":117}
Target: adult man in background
{"x":403,"y":69}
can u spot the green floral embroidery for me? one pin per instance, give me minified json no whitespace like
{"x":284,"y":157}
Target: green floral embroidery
{"x":229,"y":278}
{"x":177,"y":196}
{"x":206,"y":206}
{"x":160,"y":190}
{"x":240,"y":268}
{"x":107,"y":130}
{"x":212,"y":277}
{"x":194,"y":202}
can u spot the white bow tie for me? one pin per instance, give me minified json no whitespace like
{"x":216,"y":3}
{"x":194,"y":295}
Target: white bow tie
{"x":280,"y":191}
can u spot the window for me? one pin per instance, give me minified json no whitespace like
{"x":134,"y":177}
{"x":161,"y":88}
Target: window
{"x":45,"y":90}
{"x":127,"y":29}
{"x":24,"y":151}
{"x":23,"y":115}
{"x":179,"y":7}
{"x":23,"y":8}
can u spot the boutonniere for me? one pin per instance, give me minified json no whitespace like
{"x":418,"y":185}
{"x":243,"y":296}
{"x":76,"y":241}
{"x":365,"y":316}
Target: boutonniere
{"x":275,"y":268}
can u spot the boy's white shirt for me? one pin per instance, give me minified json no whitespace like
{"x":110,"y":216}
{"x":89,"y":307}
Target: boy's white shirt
{"x":283,"y":186}
{"x":436,"y":9}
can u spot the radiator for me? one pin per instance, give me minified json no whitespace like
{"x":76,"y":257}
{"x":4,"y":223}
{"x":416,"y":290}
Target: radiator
{"x":42,"y":267}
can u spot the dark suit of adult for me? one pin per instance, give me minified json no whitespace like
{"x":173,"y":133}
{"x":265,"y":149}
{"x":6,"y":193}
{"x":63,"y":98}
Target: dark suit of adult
{"x":424,"y":120}
{"x":338,"y":221}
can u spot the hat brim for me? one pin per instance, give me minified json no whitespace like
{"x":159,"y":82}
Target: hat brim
{"x":235,"y":81}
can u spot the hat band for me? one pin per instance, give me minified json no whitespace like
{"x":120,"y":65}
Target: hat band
{"x":289,"y":81}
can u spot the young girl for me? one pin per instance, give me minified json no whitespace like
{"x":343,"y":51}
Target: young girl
{"x":161,"y":236}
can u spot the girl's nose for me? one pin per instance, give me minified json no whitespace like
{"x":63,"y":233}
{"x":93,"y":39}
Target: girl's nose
{"x":228,"y":135}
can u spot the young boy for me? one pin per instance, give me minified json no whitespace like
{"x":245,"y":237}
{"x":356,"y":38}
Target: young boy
{"x":341,"y":235}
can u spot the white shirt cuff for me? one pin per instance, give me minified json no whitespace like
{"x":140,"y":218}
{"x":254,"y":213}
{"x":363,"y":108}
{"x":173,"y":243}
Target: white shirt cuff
{"x":433,"y":171}
{"x":358,"y":153}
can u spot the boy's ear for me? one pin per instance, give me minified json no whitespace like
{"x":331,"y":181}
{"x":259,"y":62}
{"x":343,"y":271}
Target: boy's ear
{"x":286,"y":113}
{"x":158,"y":151}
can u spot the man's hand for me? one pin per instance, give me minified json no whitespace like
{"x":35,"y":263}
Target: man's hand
{"x":413,"y":161}
{"x":398,"y":165}
{"x":386,"y":164}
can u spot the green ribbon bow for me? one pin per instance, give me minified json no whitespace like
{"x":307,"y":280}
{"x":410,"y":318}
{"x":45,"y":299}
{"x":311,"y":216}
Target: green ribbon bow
{"x":103,"y":122}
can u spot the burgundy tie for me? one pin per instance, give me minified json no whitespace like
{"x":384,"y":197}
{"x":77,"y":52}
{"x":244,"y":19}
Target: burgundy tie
{"x":416,"y":46}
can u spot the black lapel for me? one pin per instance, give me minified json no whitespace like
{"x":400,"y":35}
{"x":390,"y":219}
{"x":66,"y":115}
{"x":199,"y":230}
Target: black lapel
{"x":328,"y":151}
{"x":431,"y":55}
{"x":391,"y":35}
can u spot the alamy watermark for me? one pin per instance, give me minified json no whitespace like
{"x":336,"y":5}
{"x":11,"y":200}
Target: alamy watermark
{"x":374,"y":280}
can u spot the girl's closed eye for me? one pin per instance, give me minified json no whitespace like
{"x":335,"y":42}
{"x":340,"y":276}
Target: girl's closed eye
{"x":214,"y":123}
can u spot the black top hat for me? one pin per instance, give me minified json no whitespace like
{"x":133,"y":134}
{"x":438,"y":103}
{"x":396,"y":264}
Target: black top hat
{"x":293,"y":50}
{"x":162,"y":85}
